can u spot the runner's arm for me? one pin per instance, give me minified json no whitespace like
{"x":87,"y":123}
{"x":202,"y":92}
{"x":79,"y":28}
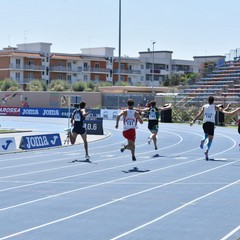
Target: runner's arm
{"x":198,"y":115}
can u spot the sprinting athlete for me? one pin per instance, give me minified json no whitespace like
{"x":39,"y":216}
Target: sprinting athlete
{"x":153,"y":114}
{"x":77,"y":121}
{"x":209,"y":112}
{"x":234,"y":111}
{"x":130,"y":119}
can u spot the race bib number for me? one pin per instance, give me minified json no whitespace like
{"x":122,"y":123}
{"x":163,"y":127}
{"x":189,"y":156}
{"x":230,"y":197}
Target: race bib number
{"x":130,"y":122}
{"x":208,"y":115}
{"x":152,"y":116}
{"x":77,"y":117}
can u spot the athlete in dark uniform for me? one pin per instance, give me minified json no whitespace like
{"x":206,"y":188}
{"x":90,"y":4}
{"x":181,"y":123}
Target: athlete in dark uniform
{"x":153,"y":114}
{"x":77,"y":121}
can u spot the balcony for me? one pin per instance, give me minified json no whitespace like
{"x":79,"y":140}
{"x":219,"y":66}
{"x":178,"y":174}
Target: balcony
{"x":96,"y":70}
{"x":127,"y":71}
{"x":26,"y":67}
{"x":65,"y":69}
{"x":34,"y":67}
{"x":155,"y":71}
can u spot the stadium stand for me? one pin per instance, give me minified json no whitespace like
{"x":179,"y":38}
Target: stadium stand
{"x":223,"y":82}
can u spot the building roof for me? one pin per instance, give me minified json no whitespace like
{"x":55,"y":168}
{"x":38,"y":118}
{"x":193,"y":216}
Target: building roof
{"x":65,"y":57}
{"x":20,"y":54}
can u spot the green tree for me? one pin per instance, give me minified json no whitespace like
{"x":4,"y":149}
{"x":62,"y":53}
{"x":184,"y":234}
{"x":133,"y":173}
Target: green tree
{"x":37,"y":85}
{"x":91,"y":85}
{"x":59,"y":86}
{"x":9,"y":85}
{"x":79,"y":86}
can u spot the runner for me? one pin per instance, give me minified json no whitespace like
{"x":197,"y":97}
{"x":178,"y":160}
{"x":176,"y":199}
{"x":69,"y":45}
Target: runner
{"x":234,"y":111}
{"x":130,"y":119}
{"x":77,"y":121}
{"x":153,"y":114}
{"x":209,"y":111}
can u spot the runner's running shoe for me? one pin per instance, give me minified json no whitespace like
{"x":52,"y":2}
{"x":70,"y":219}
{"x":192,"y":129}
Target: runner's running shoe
{"x":87,"y":157}
{"x":149,"y":140}
{"x":206,"y":155}
{"x":201,"y":144}
{"x":123,"y":148}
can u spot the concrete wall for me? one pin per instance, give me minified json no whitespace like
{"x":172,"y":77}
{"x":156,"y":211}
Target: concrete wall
{"x":47,"y":99}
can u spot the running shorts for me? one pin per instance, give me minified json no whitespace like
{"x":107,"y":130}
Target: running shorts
{"x":153,"y":125}
{"x":208,"y":128}
{"x":130,"y":134}
{"x":80,"y":131}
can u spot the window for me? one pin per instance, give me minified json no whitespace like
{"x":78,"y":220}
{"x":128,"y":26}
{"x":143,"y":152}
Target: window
{"x":30,"y":62}
{"x":30,"y":76}
{"x":18,"y":62}
{"x":69,"y":78}
{"x":97,"y":65}
{"x":96,"y":78}
{"x":17,"y":76}
{"x":69,"y":64}
{"x":47,"y":57}
{"x":85,"y":78}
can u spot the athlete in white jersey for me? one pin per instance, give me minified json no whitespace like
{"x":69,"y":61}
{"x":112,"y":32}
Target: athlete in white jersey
{"x":232,"y":112}
{"x":130,"y":119}
{"x":209,"y":111}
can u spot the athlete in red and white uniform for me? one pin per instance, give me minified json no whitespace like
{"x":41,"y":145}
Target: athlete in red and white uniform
{"x":130,"y":119}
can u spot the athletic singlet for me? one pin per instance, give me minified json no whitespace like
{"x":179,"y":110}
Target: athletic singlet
{"x":78,"y":119}
{"x":130,"y":121}
{"x":153,"y":114}
{"x":238,"y":120}
{"x":209,"y":113}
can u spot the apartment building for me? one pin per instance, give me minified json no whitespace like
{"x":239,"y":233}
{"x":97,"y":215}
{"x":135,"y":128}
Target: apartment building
{"x":30,"y":61}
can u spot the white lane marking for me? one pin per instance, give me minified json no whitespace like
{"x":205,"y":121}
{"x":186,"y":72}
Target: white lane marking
{"x":231,"y":233}
{"x":126,"y":197}
{"x":99,"y":184}
{"x":174,"y":210}
{"x":37,"y":183}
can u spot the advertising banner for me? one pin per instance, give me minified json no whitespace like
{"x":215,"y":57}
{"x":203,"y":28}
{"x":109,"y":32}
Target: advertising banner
{"x":40,"y":141}
{"x":41,"y":112}
{"x":94,"y":126}
{"x":10,"y":111}
{"x":7,"y":144}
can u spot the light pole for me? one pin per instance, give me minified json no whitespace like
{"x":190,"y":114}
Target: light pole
{"x":119,"y":45}
{"x":153,"y":66}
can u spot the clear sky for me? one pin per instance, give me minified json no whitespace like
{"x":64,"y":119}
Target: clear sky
{"x":186,"y":27}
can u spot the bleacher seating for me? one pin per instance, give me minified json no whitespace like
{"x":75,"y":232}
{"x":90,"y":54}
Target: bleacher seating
{"x":223,"y":82}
